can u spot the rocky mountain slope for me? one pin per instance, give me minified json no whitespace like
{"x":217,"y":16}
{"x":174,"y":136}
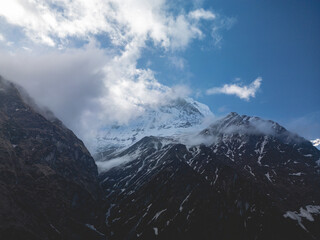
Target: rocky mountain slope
{"x":249,"y":179}
{"x":240,"y":178}
{"x":177,"y":116}
{"x":48,"y":180}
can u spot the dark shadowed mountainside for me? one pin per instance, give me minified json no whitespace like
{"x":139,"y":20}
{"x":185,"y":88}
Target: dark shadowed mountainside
{"x":251,"y":180}
{"x":48,"y":180}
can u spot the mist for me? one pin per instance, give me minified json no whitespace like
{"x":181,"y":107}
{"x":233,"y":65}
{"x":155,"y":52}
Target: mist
{"x":239,"y":125}
{"x":87,"y":88}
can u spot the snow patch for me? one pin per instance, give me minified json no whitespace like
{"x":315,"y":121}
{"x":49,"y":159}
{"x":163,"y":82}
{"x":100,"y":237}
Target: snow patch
{"x":296,"y":174}
{"x":249,"y":169}
{"x":94,"y":229}
{"x":155,"y":231}
{"x":261,"y":150}
{"x":181,"y":205}
{"x":268,"y":176}
{"x":216,"y":176}
{"x":158,"y":214}
{"x":304,"y":213}
{"x":316,"y":142}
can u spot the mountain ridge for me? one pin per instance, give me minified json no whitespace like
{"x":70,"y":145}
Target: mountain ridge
{"x":240,"y":177}
{"x":255,"y":182}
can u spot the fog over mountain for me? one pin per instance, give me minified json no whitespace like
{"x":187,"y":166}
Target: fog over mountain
{"x":74,"y":84}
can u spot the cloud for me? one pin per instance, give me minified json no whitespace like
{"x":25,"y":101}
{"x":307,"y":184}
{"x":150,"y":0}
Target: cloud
{"x":202,"y":14}
{"x":221,"y":23}
{"x":88,"y":88}
{"x":69,"y":83}
{"x":177,"y":62}
{"x":195,"y":139}
{"x":60,"y":62}
{"x":53,"y":22}
{"x":3,"y":41}
{"x":243,"y":92}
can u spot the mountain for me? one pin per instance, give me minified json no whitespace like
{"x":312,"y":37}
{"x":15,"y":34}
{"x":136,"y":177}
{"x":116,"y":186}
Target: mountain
{"x":177,"y":116}
{"x":316,"y":143}
{"x":241,"y":178}
{"x":49,"y":185}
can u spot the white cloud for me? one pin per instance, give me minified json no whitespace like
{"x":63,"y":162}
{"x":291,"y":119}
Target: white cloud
{"x":51,"y":22}
{"x":68,"y":82}
{"x":243,"y":92}
{"x":27,"y":49}
{"x":90,"y":87}
{"x":2,"y":39}
{"x":202,"y":14}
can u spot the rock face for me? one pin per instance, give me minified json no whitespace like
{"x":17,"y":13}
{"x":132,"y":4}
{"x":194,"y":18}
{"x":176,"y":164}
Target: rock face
{"x":252,"y":179}
{"x":48,"y":180}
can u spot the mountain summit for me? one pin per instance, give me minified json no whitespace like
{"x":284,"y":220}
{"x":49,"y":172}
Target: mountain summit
{"x":177,"y":116}
{"x":316,"y":143}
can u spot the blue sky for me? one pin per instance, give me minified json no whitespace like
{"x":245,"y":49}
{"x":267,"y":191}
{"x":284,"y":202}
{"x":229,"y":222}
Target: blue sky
{"x":115,"y":57}
{"x":279,"y":41}
{"x":276,"y":40}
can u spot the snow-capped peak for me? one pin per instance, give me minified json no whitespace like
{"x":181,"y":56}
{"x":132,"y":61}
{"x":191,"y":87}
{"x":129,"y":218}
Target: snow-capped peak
{"x":176,"y":117}
{"x":316,"y":143}
{"x":243,"y":124}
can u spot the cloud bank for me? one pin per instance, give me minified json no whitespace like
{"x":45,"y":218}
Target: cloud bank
{"x":80,"y":58}
{"x":243,"y":92}
{"x":124,"y":21}
{"x":87,"y":88}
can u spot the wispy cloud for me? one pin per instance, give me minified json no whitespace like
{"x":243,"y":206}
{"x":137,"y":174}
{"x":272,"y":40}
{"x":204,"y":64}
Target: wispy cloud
{"x":243,"y":92}
{"x":177,"y":62}
{"x":221,"y":23}
{"x":202,"y":14}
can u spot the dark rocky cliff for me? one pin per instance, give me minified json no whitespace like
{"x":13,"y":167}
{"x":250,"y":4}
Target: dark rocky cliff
{"x":48,"y":180}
